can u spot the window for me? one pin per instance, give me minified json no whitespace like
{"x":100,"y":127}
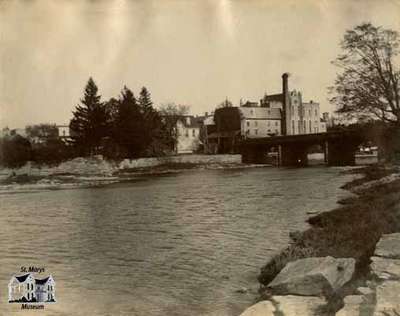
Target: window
{"x":276,"y":131}
{"x":248,"y":123}
{"x":256,"y":132}
{"x":293,"y":130}
{"x":194,"y":133}
{"x":248,"y":132}
{"x":316,"y":112}
{"x":269,"y":112}
{"x":255,"y":123}
{"x":299,"y":126}
{"x":252,"y":112}
{"x":48,"y":287}
{"x":309,"y":125}
{"x":28,"y":297}
{"x":27,"y":286}
{"x":187,"y":133}
{"x":268,"y":123}
{"x":309,"y":112}
{"x":276,"y":123}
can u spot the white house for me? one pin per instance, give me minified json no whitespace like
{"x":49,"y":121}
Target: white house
{"x":26,"y":288}
{"x":21,"y":288}
{"x":45,"y":289}
{"x":188,"y":131}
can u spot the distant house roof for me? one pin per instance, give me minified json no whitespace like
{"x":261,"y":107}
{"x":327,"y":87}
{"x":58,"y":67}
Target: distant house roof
{"x":42,"y":281}
{"x":275,"y":97}
{"x":191,"y":121}
{"x":250,"y":104}
{"x":260,"y":113}
{"x":22,"y":278}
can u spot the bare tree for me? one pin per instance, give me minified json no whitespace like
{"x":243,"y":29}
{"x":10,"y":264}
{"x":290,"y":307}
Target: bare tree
{"x":368,"y":84}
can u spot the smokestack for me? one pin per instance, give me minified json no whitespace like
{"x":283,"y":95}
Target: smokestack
{"x":285,"y":104}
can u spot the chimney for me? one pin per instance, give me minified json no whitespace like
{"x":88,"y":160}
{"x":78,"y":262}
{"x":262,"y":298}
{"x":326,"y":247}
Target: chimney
{"x":285,"y":105}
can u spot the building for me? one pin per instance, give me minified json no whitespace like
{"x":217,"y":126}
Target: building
{"x":275,"y":115}
{"x":188,"y":134}
{"x":260,"y":121}
{"x":26,"y":288}
{"x":64,"y":132}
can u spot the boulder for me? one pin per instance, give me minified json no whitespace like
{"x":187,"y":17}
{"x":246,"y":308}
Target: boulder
{"x":388,"y":299}
{"x":388,"y":246}
{"x":313,"y":276}
{"x":298,"y":305}
{"x":352,"y":306}
{"x":263,"y":308}
{"x":385,"y":268}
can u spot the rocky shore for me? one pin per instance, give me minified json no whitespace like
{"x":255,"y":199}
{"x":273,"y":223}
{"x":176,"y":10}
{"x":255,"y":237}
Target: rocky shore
{"x":347,"y":263}
{"x":95,"y":170}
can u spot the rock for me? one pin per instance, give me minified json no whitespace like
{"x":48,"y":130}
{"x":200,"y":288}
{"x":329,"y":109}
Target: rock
{"x":298,"y":305}
{"x":388,"y":246}
{"x":242,"y":290}
{"x":366,"y":291}
{"x":352,"y":306}
{"x":313,"y":276}
{"x":385,"y":268}
{"x":263,"y":308}
{"x":388,"y":299}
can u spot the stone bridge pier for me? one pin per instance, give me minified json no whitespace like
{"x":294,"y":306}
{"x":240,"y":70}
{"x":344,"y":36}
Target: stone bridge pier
{"x":293,"y":155}
{"x":339,"y":149}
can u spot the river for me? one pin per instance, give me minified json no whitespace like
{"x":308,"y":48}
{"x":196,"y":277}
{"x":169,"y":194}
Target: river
{"x":174,"y":244}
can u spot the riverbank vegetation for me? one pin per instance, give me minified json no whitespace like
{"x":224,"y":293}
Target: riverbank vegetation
{"x":350,"y":231}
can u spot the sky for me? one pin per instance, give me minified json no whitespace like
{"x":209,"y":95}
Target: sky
{"x":192,"y":52}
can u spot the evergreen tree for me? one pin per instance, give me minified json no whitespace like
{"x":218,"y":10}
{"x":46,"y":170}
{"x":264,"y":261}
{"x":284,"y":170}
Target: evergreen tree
{"x":128,"y":126}
{"x":89,"y":124}
{"x":145,"y":103}
{"x":153,"y":125}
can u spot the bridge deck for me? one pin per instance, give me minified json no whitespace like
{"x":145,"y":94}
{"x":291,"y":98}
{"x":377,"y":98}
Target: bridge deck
{"x":304,"y":138}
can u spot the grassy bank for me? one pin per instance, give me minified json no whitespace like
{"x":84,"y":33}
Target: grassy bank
{"x":352,"y":230}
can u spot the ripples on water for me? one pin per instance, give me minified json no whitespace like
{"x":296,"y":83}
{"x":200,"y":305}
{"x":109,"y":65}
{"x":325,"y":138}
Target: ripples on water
{"x":179,"y":244}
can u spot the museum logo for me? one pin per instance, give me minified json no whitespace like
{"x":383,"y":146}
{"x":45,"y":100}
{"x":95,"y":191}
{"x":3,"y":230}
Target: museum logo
{"x":30,"y":291}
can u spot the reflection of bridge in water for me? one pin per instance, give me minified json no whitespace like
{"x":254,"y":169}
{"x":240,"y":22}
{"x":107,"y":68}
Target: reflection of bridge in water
{"x":339,"y":148}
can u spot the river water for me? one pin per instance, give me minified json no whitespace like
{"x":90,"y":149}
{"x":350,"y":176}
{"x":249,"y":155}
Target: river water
{"x":174,"y":244}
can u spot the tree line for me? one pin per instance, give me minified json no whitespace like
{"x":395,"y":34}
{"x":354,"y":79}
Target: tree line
{"x":123,"y":127}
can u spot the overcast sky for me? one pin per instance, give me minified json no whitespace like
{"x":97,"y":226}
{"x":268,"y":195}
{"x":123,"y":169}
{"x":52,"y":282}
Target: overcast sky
{"x":188,"y":52}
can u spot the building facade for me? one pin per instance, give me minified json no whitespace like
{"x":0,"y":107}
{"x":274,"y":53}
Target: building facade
{"x":188,"y":134}
{"x":260,"y":122}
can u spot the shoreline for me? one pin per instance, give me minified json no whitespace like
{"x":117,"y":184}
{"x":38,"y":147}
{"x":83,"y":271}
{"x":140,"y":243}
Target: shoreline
{"x":351,"y":230}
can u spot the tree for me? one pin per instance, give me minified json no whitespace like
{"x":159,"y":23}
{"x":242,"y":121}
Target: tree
{"x":41,"y":132}
{"x":152,"y":130}
{"x":15,"y":151}
{"x":368,"y":85}
{"x":128,"y":126}
{"x":225,"y":104}
{"x":89,"y":124}
{"x":170,"y":114}
{"x":145,"y":103}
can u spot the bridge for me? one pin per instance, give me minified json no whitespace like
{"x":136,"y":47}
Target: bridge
{"x":339,"y":148}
